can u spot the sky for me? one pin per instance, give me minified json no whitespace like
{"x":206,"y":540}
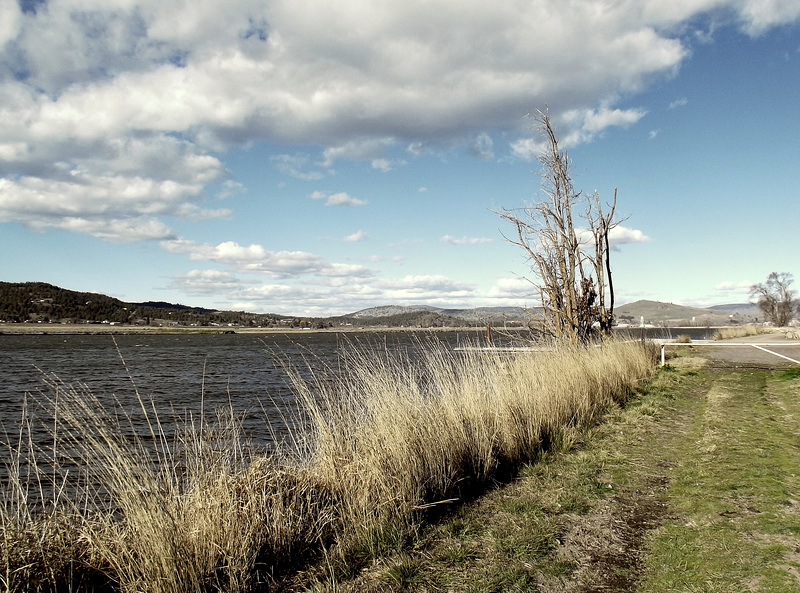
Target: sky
{"x":315,"y":158}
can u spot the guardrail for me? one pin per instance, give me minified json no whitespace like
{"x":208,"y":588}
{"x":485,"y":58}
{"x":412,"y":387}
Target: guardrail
{"x":759,"y":346}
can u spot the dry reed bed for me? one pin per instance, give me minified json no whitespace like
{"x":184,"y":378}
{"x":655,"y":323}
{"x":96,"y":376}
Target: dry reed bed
{"x":375,"y":449}
{"x":742,"y":331}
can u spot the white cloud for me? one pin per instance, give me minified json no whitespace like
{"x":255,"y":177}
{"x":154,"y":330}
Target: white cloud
{"x":512,"y":289}
{"x":118,"y":230}
{"x":386,"y":165}
{"x":759,"y":15}
{"x":337,"y":199}
{"x":621,"y":235}
{"x":483,"y":147}
{"x":256,"y":259}
{"x":205,"y":282}
{"x":10,"y":19}
{"x":683,"y":101}
{"x":465,"y":240}
{"x":330,"y":295}
{"x":424,"y":288}
{"x":358,"y":149}
{"x":297,"y":166}
{"x":528,"y":149}
{"x":96,"y":96}
{"x":356,"y":237}
{"x":736,"y":287}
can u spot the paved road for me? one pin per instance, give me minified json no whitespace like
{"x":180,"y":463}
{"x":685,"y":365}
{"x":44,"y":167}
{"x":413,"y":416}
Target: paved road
{"x":750,"y":355}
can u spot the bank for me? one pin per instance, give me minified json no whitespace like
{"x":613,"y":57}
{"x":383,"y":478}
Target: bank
{"x":693,"y":486}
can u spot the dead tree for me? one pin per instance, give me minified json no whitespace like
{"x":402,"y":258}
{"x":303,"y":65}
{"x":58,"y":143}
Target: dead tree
{"x":571,"y":265}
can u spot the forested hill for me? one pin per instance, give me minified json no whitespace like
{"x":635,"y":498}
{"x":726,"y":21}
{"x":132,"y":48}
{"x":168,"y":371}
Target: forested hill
{"x":39,"y":301}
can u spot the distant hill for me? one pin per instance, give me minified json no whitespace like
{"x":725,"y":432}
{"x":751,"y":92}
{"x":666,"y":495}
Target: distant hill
{"x":41,"y":302}
{"x":656,"y":312}
{"x":388,"y":310}
{"x":480,"y":315}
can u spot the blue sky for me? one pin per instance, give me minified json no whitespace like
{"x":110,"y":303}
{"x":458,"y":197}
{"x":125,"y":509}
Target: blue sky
{"x":316,"y":158}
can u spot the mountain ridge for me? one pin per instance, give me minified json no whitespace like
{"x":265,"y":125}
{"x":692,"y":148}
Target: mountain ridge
{"x":41,"y":301}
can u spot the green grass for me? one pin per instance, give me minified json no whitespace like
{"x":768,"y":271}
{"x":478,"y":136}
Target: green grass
{"x":692,"y":486}
{"x":733,"y":490}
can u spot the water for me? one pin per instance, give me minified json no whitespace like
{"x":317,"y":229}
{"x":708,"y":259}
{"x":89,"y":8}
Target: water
{"x":185,"y":376}
{"x":181,"y":376}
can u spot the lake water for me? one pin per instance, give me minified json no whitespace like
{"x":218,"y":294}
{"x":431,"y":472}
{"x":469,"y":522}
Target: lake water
{"x":181,"y":375}
{"x":184,"y":376}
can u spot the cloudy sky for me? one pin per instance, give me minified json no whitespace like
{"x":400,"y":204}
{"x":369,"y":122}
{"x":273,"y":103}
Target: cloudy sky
{"x":315,"y":157}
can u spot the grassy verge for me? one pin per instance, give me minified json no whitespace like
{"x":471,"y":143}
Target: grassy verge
{"x":734,"y":489}
{"x":381,"y":449}
{"x":693,"y":486}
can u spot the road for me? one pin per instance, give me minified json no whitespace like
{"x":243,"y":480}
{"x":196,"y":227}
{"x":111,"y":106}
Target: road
{"x":750,"y":351}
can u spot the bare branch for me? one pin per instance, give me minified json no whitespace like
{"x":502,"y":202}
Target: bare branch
{"x":572,"y":277}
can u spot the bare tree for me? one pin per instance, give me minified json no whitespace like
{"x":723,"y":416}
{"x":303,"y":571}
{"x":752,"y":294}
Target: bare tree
{"x":571,"y":265}
{"x":776,"y":299}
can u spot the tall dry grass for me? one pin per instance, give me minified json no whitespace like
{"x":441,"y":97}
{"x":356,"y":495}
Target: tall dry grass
{"x":377,"y":447}
{"x":741,"y":331}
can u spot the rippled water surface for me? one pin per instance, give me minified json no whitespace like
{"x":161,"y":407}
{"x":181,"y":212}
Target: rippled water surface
{"x":180,"y":375}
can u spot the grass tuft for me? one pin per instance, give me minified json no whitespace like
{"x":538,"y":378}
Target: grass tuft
{"x":741,"y":331}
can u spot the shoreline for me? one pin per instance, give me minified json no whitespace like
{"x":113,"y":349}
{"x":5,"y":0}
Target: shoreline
{"x":11,"y":329}
{"x":106,"y":329}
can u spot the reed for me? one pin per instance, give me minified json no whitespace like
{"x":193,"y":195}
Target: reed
{"x":378,"y":445}
{"x":741,"y":331}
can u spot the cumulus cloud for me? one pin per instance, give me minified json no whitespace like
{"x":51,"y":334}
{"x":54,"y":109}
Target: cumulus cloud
{"x":205,"y":282}
{"x":335,"y":295}
{"x":576,"y":127}
{"x":621,"y":235}
{"x":99,"y":96}
{"x":337,"y":199}
{"x":683,"y":101}
{"x":513,"y":290}
{"x":386,"y":165}
{"x":483,"y":147}
{"x":465,"y":240}
{"x":256,"y":259}
{"x":296,"y":165}
{"x":429,"y":288}
{"x":356,"y":237}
